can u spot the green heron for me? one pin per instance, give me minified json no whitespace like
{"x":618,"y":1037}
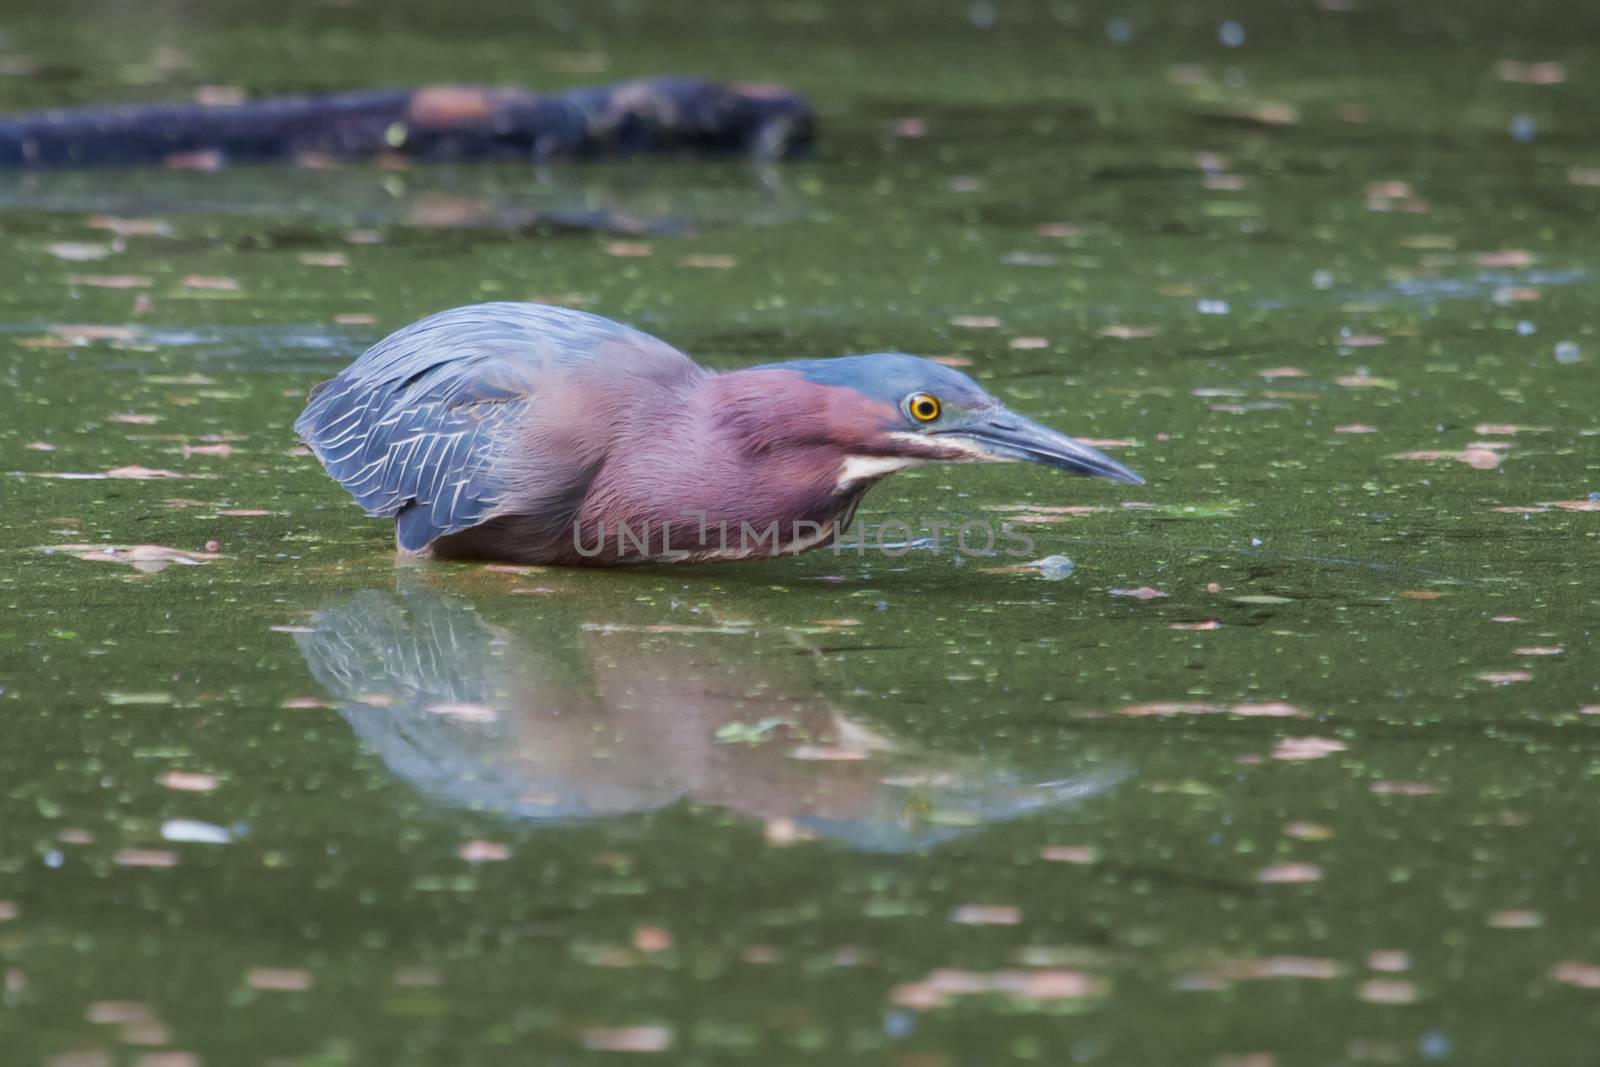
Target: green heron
{"x":538,"y":434}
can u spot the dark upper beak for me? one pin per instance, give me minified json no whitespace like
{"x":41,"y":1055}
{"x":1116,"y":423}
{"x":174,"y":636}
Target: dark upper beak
{"x":1005,"y":435}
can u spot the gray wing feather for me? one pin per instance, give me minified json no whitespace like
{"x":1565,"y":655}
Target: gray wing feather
{"x":417,"y":426}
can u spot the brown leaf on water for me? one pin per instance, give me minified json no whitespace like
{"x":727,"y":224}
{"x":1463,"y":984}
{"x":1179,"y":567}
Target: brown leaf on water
{"x":1077,"y":854}
{"x":145,"y":857}
{"x":189,"y":781}
{"x":1405,"y":789}
{"x":1477,"y":458}
{"x":976,"y":322}
{"x":630,"y":249}
{"x":1389,"y":960}
{"x":1540,"y":650}
{"x":944,"y":985}
{"x":1307,"y":831}
{"x":1289,"y":874}
{"x":987,"y":915}
{"x":111,"y":281}
{"x":1144,"y":592}
{"x":1108,"y":442}
{"x":1482,"y":459}
{"x":355,"y":318}
{"x":278,"y":979}
{"x":952,"y":361}
{"x":1515,"y":920}
{"x":1273,"y":373}
{"x":79,"y":251}
{"x":1295,"y":749}
{"x":1387,"y":991}
{"x":213,"y":282}
{"x":8,"y":910}
{"x":1267,"y":710}
{"x":1028,"y":342}
{"x":305,"y":703}
{"x":323,"y":259}
{"x":1366,"y":381}
{"x":1169,"y":708}
{"x":126,"y":227}
{"x":708,"y":261}
{"x":141,"y":474}
{"x":627,"y":1038}
{"x":134,"y":420}
{"x":1355,"y":427}
{"x":220,"y":95}
{"x":149,"y":559}
{"x":1577,"y":973}
{"x":85,"y":333}
{"x":1546,"y":72}
{"x":223,"y":450}
{"x":1121,"y":332}
{"x":40,"y":446}
{"x":1506,"y":257}
{"x":484,"y":852}
{"x":1209,"y":624}
{"x":1504,"y":677}
{"x":652,"y":939}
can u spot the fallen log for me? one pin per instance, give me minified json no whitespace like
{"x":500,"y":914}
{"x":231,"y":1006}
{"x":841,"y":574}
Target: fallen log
{"x":435,"y":124}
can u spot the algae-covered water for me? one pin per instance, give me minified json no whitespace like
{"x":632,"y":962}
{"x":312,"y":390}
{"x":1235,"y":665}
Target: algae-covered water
{"x":1297,"y":765}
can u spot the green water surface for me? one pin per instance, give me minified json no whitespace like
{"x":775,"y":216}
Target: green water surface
{"x":1298,"y":766}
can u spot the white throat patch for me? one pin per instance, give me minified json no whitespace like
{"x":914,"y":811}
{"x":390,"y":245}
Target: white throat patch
{"x":857,"y":469}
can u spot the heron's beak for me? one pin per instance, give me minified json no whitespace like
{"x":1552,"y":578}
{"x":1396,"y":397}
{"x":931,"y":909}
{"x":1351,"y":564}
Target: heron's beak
{"x":1007,"y":436}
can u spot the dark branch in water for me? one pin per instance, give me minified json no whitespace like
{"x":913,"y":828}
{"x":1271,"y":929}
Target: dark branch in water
{"x":439,"y":123}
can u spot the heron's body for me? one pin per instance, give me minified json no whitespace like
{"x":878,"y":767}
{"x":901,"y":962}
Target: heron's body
{"x":538,"y":434}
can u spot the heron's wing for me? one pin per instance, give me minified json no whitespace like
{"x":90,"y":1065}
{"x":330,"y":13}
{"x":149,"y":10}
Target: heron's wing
{"x":420,"y":425}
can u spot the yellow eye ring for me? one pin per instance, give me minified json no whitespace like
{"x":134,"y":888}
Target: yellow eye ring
{"x":924,"y":407}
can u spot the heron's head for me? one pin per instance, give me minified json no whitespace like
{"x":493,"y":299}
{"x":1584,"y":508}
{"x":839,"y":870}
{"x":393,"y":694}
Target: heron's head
{"x":889,"y":411}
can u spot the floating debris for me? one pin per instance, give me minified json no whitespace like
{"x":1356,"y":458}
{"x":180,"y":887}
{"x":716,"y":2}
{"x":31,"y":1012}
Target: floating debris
{"x":278,"y":979}
{"x":987,"y":915}
{"x":147,"y":559}
{"x":627,"y":1038}
{"x":190,"y":830}
{"x":942,"y":986}
{"x":1143,"y":592}
{"x":1306,"y":748}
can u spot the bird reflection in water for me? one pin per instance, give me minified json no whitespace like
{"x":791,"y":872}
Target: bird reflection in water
{"x":567,"y":720}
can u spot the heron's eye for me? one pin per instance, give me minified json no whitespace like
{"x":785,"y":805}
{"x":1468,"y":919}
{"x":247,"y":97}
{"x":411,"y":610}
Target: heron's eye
{"x":924,"y":407}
